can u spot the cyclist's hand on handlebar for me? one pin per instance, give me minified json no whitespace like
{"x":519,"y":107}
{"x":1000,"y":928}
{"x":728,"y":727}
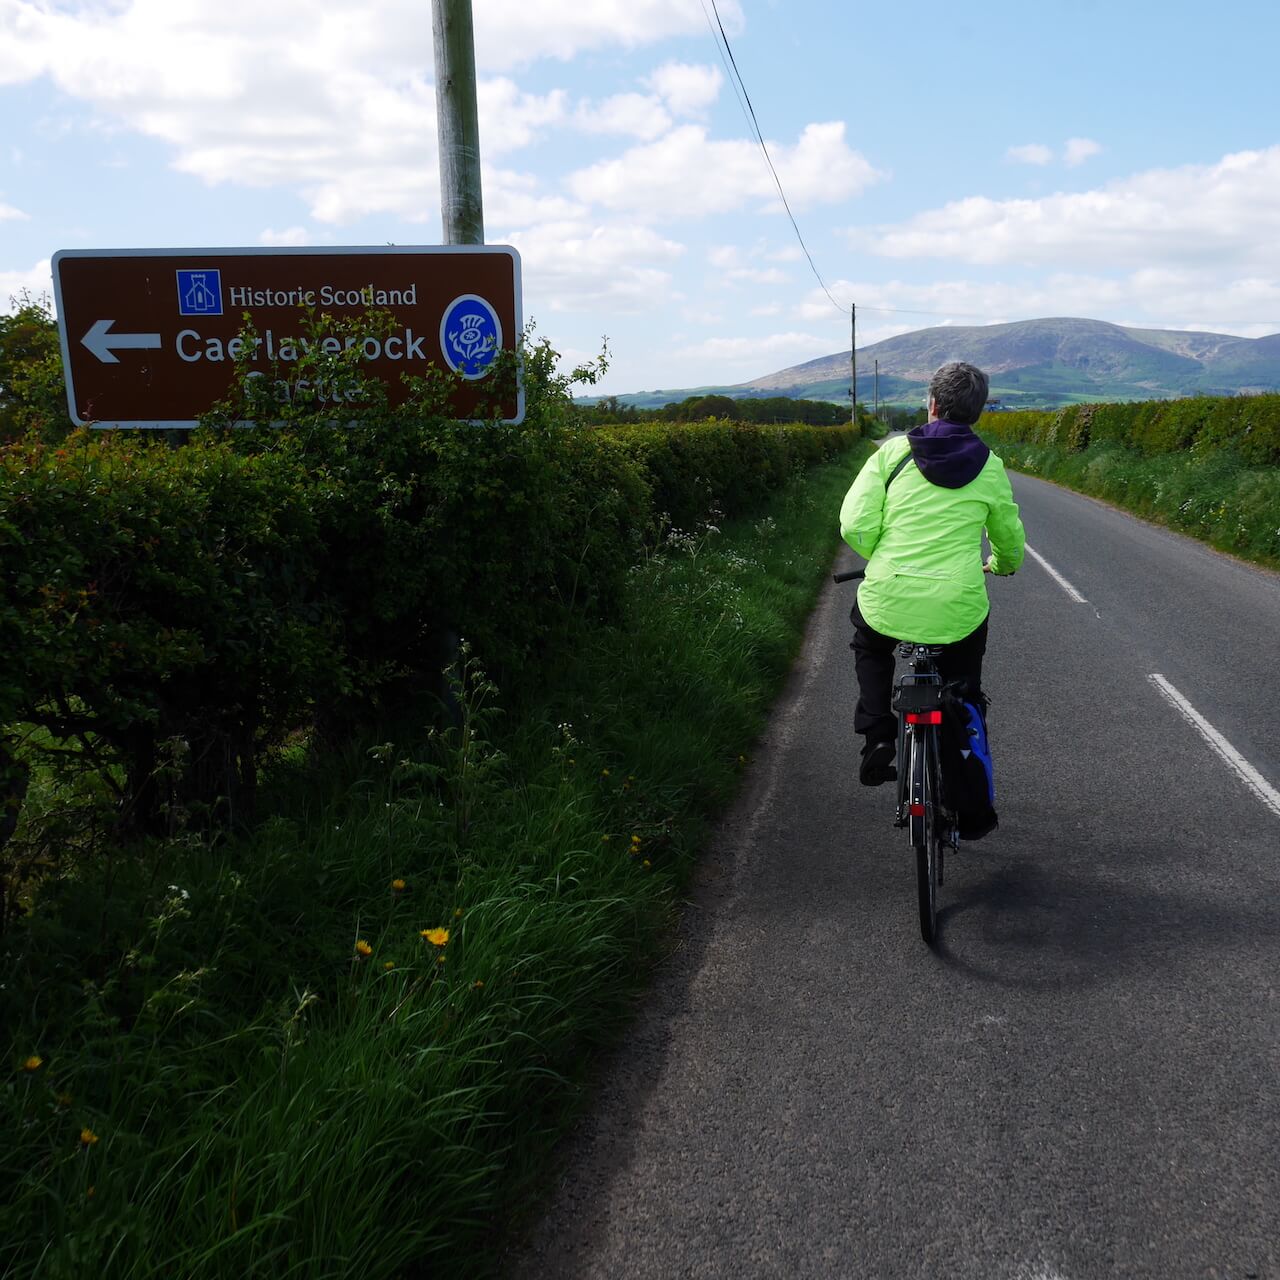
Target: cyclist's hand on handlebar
{"x":986,"y":568}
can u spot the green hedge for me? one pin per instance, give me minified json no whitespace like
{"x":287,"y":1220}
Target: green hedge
{"x":1203,"y":467}
{"x":169,"y":614}
{"x":1248,"y":425}
{"x":725,"y":467}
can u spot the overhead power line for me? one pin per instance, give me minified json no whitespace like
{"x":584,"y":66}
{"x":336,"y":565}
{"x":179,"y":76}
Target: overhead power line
{"x":739,"y":84}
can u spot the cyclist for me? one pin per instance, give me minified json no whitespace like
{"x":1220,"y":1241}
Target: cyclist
{"x":916,"y":513}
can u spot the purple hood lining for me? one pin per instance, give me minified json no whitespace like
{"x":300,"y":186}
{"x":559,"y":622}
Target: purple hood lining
{"x":948,"y":454}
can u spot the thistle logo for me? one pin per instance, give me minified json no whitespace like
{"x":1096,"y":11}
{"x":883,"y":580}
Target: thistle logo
{"x":470,"y":335}
{"x":200,"y":293}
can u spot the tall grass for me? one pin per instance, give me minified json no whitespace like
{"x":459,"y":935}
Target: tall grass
{"x":346,"y":1045}
{"x":1211,"y":494}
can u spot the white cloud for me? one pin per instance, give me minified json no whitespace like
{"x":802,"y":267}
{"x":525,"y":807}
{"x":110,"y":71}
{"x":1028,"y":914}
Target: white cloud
{"x":686,"y":88}
{"x":36,"y":282}
{"x":701,"y":316}
{"x":289,"y":236}
{"x":578,"y":265}
{"x":1079,"y":150}
{"x":783,"y":348}
{"x":1030,"y":153}
{"x":510,"y":119}
{"x":687,"y":174}
{"x":511,"y":33}
{"x":1224,"y":214}
{"x":636,"y":114}
{"x":7,"y":211}
{"x":758,"y":275}
{"x":515,"y":200}
{"x":769,"y":309}
{"x":310,"y":94}
{"x":316,"y":36}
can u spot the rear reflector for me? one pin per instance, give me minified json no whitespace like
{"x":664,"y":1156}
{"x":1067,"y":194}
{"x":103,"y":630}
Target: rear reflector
{"x":917,"y":811}
{"x":924,"y":717}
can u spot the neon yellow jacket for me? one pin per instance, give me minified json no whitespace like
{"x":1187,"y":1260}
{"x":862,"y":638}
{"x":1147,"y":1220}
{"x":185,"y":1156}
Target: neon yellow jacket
{"x":923,"y":540}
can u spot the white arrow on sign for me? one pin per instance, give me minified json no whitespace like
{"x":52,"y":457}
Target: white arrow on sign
{"x":104,"y":344}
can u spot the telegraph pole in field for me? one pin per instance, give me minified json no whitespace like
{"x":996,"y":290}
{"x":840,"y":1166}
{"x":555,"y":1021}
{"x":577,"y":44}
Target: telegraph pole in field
{"x":457,"y":122}
{"x":853,"y":360}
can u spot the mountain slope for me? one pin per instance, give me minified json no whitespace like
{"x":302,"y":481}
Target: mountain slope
{"x":1037,"y":362}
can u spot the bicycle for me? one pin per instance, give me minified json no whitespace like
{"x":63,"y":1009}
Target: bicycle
{"x":931,"y":826}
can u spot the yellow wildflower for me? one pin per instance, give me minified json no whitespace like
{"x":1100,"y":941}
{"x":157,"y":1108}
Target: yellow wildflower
{"x":33,"y":1063}
{"x":88,"y":1137}
{"x":398,"y":886}
{"x":363,"y":948}
{"x":390,"y":964}
{"x":437,"y":937}
{"x":457,"y":915}
{"x":440,"y":959}
{"x":478,"y":985}
{"x":646,"y":864}
{"x":64,"y":1099}
{"x":604,"y":839}
{"x":604,"y":773}
{"x":88,"y":1195}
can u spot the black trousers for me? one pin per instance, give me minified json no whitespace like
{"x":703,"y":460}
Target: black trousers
{"x":873,"y":660}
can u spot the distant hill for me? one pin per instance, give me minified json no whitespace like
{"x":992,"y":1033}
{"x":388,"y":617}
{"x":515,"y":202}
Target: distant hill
{"x":1031,"y":363}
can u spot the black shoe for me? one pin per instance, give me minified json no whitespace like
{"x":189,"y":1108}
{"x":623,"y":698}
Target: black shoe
{"x":877,"y":764}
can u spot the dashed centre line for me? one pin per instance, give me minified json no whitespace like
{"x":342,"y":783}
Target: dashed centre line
{"x":1246,"y":772}
{"x":1056,"y":576}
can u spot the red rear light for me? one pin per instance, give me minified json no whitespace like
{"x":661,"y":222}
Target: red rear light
{"x":924,"y":717}
{"x":917,"y":811}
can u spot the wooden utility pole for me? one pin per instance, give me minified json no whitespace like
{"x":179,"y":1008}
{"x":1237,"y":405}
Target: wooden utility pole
{"x":853,"y":360}
{"x":457,"y":122}
{"x":877,"y":390}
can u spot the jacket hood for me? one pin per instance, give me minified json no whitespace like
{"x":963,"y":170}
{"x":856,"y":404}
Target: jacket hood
{"x":948,"y":454}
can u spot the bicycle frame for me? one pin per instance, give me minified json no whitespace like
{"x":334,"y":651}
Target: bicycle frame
{"x":917,"y":697}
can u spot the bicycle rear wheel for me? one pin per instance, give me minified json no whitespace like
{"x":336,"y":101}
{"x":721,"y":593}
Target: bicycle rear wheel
{"x":926,"y":836}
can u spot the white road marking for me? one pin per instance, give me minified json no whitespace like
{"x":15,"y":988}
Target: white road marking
{"x":1056,"y":576}
{"x":1246,"y":772}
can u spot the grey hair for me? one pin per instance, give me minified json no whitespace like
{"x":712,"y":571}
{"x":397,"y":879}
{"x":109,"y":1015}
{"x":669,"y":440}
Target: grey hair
{"x":959,"y":391}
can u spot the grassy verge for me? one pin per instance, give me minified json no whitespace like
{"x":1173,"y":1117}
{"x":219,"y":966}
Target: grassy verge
{"x":345,"y":1047}
{"x":1211,"y":495}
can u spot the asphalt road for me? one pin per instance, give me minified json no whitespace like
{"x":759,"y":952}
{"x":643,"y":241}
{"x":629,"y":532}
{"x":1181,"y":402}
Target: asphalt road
{"x":1084,"y":1079}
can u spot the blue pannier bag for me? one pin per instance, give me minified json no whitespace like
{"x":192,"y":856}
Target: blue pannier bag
{"x":968,"y":774}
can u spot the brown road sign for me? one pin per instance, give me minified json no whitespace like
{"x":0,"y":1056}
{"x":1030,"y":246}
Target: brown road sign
{"x":150,"y":337}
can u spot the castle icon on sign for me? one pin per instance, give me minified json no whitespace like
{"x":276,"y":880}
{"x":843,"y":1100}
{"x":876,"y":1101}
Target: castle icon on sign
{"x":200,"y":293}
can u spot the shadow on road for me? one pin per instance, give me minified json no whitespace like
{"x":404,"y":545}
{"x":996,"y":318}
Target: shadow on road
{"x":1041,"y":925}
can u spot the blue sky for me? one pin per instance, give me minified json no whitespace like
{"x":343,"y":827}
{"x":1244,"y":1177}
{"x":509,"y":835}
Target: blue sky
{"x":946,"y":164}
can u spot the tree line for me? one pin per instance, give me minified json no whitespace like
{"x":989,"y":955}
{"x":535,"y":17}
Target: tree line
{"x":758,"y":409}
{"x":754,"y":409}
